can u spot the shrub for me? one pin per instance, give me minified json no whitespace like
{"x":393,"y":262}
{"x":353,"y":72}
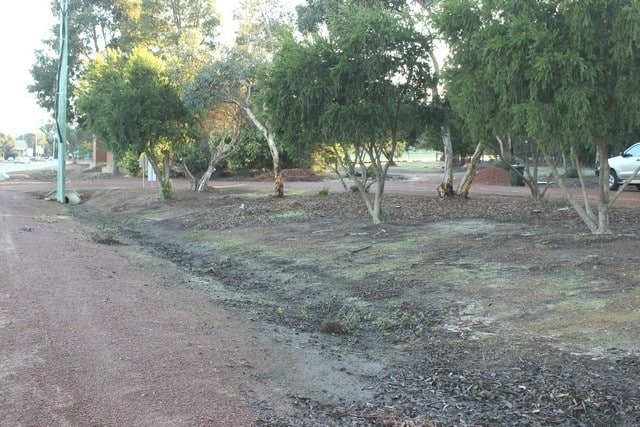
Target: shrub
{"x":130,"y":162}
{"x":167,"y":191}
{"x":571,"y":172}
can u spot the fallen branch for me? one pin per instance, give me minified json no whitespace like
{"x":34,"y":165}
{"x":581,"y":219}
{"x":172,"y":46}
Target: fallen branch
{"x":355,"y":251}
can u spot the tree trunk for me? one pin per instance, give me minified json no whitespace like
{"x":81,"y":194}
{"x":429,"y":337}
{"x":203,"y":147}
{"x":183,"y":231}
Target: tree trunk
{"x":206,"y":176}
{"x":501,"y":145}
{"x":446,"y":187}
{"x":273,"y":149}
{"x":165,"y":178}
{"x":277,"y":171}
{"x":599,"y":224}
{"x":381,"y":175}
{"x":604,"y":226}
{"x":467,"y":180}
{"x":163,"y":174}
{"x":192,"y":178}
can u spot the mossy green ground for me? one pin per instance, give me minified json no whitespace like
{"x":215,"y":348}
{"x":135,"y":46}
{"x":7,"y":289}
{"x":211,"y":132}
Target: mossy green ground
{"x":473,"y":276}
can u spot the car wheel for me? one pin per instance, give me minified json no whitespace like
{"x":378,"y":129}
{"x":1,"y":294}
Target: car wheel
{"x":613,"y":180}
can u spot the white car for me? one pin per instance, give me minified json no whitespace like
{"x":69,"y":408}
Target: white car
{"x":622,"y":167}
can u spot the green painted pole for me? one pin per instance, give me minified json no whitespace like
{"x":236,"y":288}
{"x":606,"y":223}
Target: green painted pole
{"x":61,"y":110}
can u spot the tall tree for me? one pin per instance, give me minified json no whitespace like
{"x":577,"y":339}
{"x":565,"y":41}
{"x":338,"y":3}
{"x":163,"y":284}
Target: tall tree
{"x":263,"y":25}
{"x":180,"y":30}
{"x":132,"y":105}
{"x":360,"y":88}
{"x":562,"y":75}
{"x":232,"y":81}
{"x":6,"y":145}
{"x":314,"y":14}
{"x":93,"y":25}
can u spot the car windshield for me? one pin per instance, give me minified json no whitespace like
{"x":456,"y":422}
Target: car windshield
{"x":634,"y":150}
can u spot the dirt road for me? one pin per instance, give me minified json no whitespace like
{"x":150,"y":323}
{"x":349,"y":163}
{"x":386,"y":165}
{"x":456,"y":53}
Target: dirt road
{"x":97,"y":335}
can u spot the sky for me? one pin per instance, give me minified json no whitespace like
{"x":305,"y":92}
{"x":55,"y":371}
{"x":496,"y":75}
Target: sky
{"x":23,"y":26}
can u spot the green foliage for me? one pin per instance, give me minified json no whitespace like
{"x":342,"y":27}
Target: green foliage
{"x":562,"y":75}
{"x":216,"y":82}
{"x":183,"y":32}
{"x":357,"y":91}
{"x":132,"y":105}
{"x":347,"y":87}
{"x":324,"y":191}
{"x":543,"y":70}
{"x":196,"y":157}
{"x":263,"y":24}
{"x":315,"y":13}
{"x":130,"y":162}
{"x":571,"y":172}
{"x":167,"y":191}
{"x":130,"y":102}
{"x":252,"y":155}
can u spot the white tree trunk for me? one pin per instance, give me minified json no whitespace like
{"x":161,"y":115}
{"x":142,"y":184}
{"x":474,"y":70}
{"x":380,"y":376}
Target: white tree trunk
{"x":467,"y":180}
{"x":597,"y":224}
{"x":273,"y":149}
{"x":501,"y":145}
{"x":204,"y":179}
{"x":446,"y":188}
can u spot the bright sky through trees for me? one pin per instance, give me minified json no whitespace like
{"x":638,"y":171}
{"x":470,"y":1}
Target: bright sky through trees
{"x":23,"y":25}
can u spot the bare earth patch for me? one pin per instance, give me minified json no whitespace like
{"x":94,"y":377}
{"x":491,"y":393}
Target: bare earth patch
{"x":483,"y":311}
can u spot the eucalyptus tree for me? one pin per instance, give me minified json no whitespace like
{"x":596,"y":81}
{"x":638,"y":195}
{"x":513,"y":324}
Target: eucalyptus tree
{"x":232,"y":81}
{"x":93,"y":25}
{"x":588,"y":87}
{"x":358,"y":89}
{"x":182,"y":31}
{"x":233,"y":78}
{"x":129,"y":101}
{"x":7,"y":144}
{"x":313,"y":15}
{"x":262,"y":26}
{"x":560,"y":74}
{"x":222,"y":129}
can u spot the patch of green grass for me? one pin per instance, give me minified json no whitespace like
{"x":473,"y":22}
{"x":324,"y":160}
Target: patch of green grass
{"x":350,"y":319}
{"x":306,"y":314}
{"x":290,"y":214}
{"x":556,"y":203}
{"x":578,"y":308}
{"x":323,"y":191}
{"x":572,"y":285}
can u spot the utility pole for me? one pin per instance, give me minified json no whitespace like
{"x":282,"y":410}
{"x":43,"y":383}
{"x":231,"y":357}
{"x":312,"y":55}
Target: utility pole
{"x":61,"y":107}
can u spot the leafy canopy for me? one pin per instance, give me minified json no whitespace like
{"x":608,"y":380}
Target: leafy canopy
{"x":130,"y":102}
{"x":367,"y":80}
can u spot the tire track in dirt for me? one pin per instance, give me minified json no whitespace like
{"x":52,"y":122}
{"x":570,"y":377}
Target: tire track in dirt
{"x":6,"y":242}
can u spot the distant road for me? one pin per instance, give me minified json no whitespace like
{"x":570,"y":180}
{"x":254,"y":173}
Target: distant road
{"x":418,"y":183}
{"x":7,"y":167}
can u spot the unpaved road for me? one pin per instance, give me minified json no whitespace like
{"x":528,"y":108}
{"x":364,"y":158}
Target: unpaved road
{"x":108,"y":337}
{"x":98,"y":333}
